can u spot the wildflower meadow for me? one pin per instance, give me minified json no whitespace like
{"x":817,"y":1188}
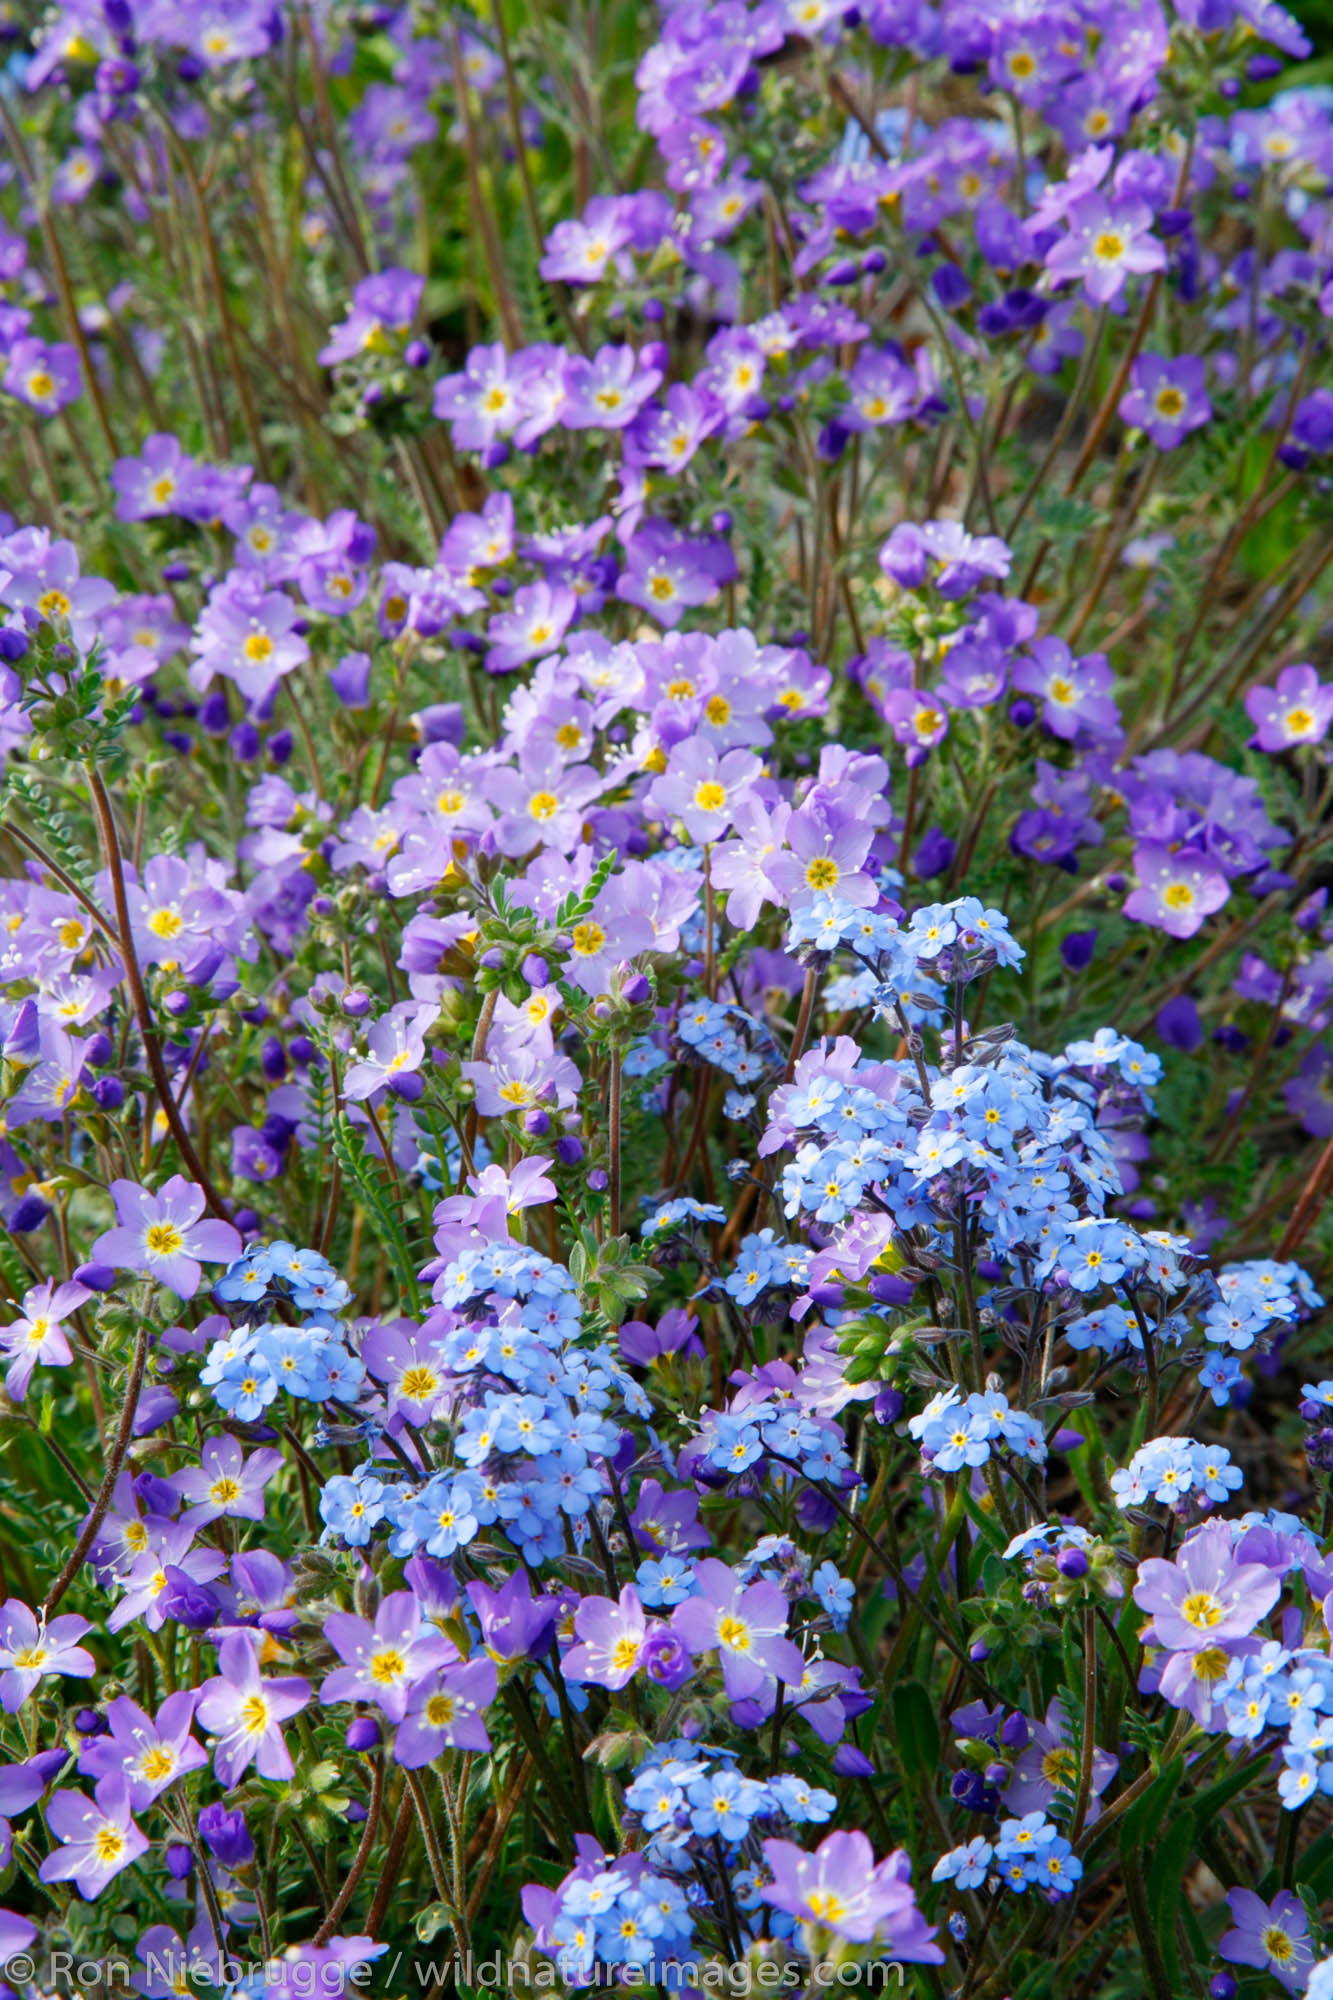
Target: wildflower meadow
{"x":666,"y":999}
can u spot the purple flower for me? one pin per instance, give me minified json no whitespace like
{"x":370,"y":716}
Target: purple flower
{"x":514,"y":1624}
{"x":612,"y":1636}
{"x":29,"y":1652}
{"x":98,"y":1839}
{"x":1178,"y":889}
{"x":703,"y":789}
{"x":1167,"y":399}
{"x":45,"y":378}
{"x":245,"y":1714}
{"x":395,"y":1048}
{"x":606,"y":392}
{"x":839,"y":1888}
{"x":149,"y":1752}
{"x":1205,"y":1595}
{"x":162,"y":1237}
{"x":1075,"y":694}
{"x":226,"y":1482}
{"x":746,"y":1624}
{"x":667,"y":572}
{"x":38,"y":1335}
{"x":1273,"y":1936}
{"x":1107,"y":243}
{"x":534,"y":626}
{"x":1298,"y":710}
{"x":445,"y":1711}
{"x":383,"y":1660}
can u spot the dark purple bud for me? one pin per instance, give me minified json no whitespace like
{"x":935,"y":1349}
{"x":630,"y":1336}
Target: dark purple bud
{"x":1179,"y":1025}
{"x":176,"y":1003}
{"x":246,"y":1220}
{"x":273,"y":1059}
{"x":108,"y":1093}
{"x":827,"y":1295}
{"x":213,"y":715}
{"x":934,"y":854}
{"x":97,"y":1277}
{"x":1022,"y":713}
{"x":175,"y":572}
{"x":179,"y":1860}
{"x":849,"y":1762}
{"x":665,"y":1660}
{"x":226,"y":1836}
{"x":356,"y":1004}
{"x":832,"y":442}
{"x":1066,"y":1439}
{"x":189,"y":69}
{"x":301,"y":1050}
{"x":1230,"y":87}
{"x":1072,"y":1563}
{"x":890,"y":1290}
{"x":363,"y":1733}
{"x":442,"y":722}
{"x":845,"y":272}
{"x":492,"y":958}
{"x":355,"y":1813}
{"x":1116,"y":882}
{"x":495,"y":454}
{"x":889,"y":1405}
{"x":653,"y":310}
{"x":1014,"y":1731}
{"x":89,"y":1723}
{"x":280,"y":746}
{"x":1077,"y":947}
{"x":191,"y":1604}
{"x":1260,"y":68}
{"x":636,"y":989}
{"x":978,"y":1651}
{"x":1222,"y":1987}
{"x":536,"y":1124}
{"x":597,"y":1180}
{"x":988,"y":1269}
{"x":159,"y":1496}
{"x":569,"y":1150}
{"x":408,"y":1085}
{"x":417,"y":353}
{"x":244,"y":742}
{"x":996,"y":1774}
{"x":721,"y":523}
{"x":13,"y":643}
{"x":29,"y":1213}
{"x":950,"y":286}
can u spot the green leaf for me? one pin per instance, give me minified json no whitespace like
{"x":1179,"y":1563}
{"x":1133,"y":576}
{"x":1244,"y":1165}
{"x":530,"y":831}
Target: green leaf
{"x":1146,"y":1814}
{"x":362,"y":1172}
{"x":916,"y":1731}
{"x":1166,"y":1876}
{"x":436,"y":1917}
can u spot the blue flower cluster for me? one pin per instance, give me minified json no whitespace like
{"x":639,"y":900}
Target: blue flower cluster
{"x":1026,"y":1853}
{"x":684,"y":1792}
{"x":1177,"y":1472}
{"x":781,"y":1434}
{"x":246,"y":1368}
{"x":279,"y":1273}
{"x":532,"y":1417}
{"x":956,"y":1431}
{"x":764,"y":1264}
{"x":619,"y":1915}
